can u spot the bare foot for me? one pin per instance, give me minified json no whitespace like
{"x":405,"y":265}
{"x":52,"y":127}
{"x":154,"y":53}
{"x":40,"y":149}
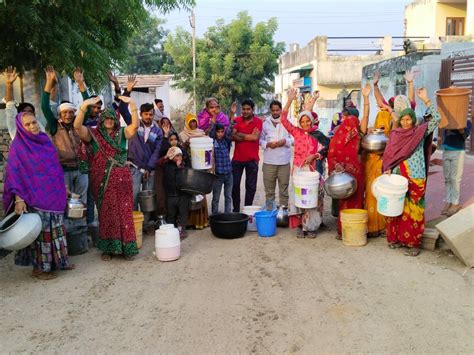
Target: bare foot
{"x":412,"y":252}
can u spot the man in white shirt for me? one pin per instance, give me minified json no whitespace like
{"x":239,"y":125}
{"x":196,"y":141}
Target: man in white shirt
{"x":276,"y":144}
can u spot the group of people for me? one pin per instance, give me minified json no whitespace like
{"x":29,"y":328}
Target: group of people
{"x":86,"y":151}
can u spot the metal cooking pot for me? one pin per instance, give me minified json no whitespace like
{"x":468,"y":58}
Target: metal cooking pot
{"x":17,"y":231}
{"x":375,"y":142}
{"x":282,"y":217}
{"x":147,"y":200}
{"x":196,"y":202}
{"x":340,"y":185}
{"x":75,"y":208}
{"x":195,"y":182}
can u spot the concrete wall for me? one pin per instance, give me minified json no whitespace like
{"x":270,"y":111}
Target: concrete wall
{"x":447,"y":10}
{"x":420,"y":18}
{"x":469,"y":18}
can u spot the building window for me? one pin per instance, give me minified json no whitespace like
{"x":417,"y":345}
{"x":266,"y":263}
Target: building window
{"x":454,"y":26}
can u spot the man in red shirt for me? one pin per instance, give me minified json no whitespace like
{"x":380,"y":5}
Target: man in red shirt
{"x":246,"y":134}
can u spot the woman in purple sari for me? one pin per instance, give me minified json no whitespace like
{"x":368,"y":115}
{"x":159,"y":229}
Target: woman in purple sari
{"x":34,"y":182}
{"x":212,"y":109}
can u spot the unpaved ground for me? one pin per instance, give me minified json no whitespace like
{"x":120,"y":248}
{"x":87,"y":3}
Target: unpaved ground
{"x":274,"y":295}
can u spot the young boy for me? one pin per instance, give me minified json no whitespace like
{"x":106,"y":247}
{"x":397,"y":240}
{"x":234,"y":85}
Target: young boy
{"x":223,"y":166}
{"x":177,"y":204}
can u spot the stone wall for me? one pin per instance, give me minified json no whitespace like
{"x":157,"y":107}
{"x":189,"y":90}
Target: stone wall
{"x":5,"y":142}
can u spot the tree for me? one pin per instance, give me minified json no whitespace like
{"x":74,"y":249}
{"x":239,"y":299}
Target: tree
{"x":145,"y":54}
{"x":234,"y":61}
{"x":92,"y":34}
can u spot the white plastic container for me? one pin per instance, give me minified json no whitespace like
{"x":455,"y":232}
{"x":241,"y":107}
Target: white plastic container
{"x":390,"y":192}
{"x":306,"y":188}
{"x":201,"y":152}
{"x":167,"y":243}
{"x":250,"y":211}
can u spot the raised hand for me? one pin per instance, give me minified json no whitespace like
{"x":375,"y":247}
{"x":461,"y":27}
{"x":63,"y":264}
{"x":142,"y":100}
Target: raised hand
{"x":90,"y":102}
{"x":78,"y":75}
{"x":292,"y":94}
{"x":10,"y":75}
{"x":113,"y":79}
{"x":131,"y":82}
{"x":126,"y":99}
{"x":422,"y":94}
{"x":366,"y":90}
{"x":51,"y":74}
{"x":233,"y":108}
{"x":376,"y":77}
{"x":409,"y":75}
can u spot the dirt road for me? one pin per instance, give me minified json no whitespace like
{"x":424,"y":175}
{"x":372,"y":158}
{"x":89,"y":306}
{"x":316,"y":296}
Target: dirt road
{"x":248,"y":295}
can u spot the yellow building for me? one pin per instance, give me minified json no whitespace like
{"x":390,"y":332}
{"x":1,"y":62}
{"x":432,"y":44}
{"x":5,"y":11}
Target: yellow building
{"x":438,"y":19}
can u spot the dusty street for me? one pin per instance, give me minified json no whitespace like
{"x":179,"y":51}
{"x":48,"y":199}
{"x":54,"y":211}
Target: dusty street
{"x":248,"y":295}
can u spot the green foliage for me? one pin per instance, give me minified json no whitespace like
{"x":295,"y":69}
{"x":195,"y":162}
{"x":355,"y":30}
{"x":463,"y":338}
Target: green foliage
{"x":92,"y":34}
{"x":145,"y":53}
{"x":234,"y":61}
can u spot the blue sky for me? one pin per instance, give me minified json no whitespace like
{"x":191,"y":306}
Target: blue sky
{"x":302,"y":20}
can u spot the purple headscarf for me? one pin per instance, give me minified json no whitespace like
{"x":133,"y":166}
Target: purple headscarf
{"x":204,"y":119}
{"x":33,"y":172}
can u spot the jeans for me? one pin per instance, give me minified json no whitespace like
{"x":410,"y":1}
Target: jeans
{"x":139,"y":185}
{"x":77,"y":183}
{"x":251,"y":174}
{"x":226,"y":180}
{"x":453,"y":166}
{"x":177,"y":209}
{"x":272,"y":174}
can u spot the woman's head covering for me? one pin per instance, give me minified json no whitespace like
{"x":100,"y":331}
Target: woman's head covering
{"x":188,"y":119}
{"x":313,"y":117}
{"x":109,"y":113}
{"x":33,"y":172}
{"x":188,"y":132}
{"x":173,"y":151}
{"x":408,"y":112}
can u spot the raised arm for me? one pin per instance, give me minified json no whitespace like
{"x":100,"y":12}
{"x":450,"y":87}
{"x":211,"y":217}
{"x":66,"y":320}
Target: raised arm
{"x":312,"y":100}
{"x":123,"y":106}
{"x":284,"y":114}
{"x":364,"y":123}
{"x":10,"y":77}
{"x":435,"y":117}
{"x":132,"y":128}
{"x":51,"y":79}
{"x":409,"y":77}
{"x":377,"y":93}
{"x":82,"y":130}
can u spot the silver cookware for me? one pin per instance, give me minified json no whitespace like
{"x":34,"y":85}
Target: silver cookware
{"x":340,"y":185}
{"x":75,"y":208}
{"x":282,"y":217}
{"x":375,"y":142}
{"x":17,"y":231}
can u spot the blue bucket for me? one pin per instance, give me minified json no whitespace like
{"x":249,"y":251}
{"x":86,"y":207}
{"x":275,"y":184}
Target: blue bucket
{"x":266,"y":223}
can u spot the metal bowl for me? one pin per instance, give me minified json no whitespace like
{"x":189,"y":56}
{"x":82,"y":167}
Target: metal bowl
{"x":196,"y":202}
{"x":375,"y":142}
{"x":19,"y":231}
{"x":340,"y":185}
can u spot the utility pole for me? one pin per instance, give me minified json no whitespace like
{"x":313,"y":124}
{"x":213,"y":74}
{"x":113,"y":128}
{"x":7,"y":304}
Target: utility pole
{"x":192,"y":21}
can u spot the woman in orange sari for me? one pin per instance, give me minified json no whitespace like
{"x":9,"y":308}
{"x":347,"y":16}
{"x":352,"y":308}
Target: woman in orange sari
{"x":373,"y":169}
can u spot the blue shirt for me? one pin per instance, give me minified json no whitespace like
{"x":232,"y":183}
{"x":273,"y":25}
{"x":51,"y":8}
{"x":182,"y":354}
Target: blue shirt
{"x":222,"y":150}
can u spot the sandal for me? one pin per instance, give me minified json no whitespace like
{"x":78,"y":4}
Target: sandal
{"x":46,"y":275}
{"x":129,"y":257}
{"x":300,"y":234}
{"x":338,"y":236}
{"x":311,"y":235}
{"x":106,"y":257}
{"x":69,"y":267}
{"x":395,"y":245}
{"x":412,"y":252}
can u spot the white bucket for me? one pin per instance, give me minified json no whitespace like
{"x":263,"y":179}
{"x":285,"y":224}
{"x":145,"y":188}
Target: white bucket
{"x":306,"y":188}
{"x":250,"y":211}
{"x":390,"y":192}
{"x":167,"y":244}
{"x":201,"y":152}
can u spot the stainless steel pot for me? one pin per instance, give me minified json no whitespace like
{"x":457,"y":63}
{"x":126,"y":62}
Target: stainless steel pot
{"x":282,"y":217}
{"x":19,"y":231}
{"x":75,"y":208}
{"x":147,"y":200}
{"x":196,"y":202}
{"x":340,"y":185}
{"x":375,"y":142}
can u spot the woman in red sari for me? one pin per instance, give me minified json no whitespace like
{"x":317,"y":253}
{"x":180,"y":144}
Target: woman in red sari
{"x":344,"y":155}
{"x":111,"y":179}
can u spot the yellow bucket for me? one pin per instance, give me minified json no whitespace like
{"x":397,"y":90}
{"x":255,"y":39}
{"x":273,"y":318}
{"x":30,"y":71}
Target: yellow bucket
{"x":138,"y":224}
{"x":354,"y":227}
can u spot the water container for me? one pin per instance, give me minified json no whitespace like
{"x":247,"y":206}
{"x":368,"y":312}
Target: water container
{"x":250,"y":211}
{"x":354,"y":227}
{"x":167,"y":243}
{"x":453,"y":105}
{"x":390,"y":192}
{"x":306,"y":188}
{"x":138,"y":224}
{"x":266,"y":223}
{"x":201,"y":152}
